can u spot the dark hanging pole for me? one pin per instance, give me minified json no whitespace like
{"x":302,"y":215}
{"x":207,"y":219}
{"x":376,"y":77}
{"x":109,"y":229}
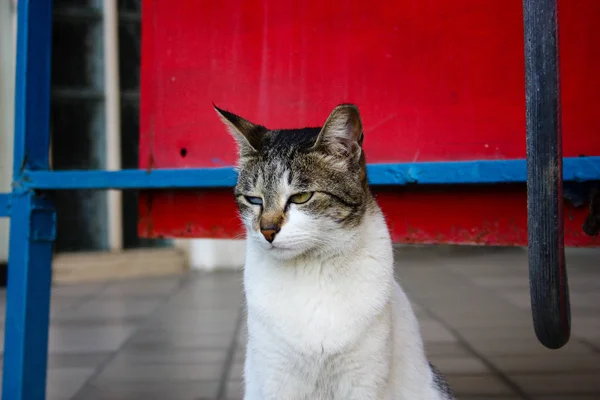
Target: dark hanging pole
{"x":547,"y":269}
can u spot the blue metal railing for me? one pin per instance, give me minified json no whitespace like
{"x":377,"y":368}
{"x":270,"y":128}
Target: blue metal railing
{"x":576,"y":169}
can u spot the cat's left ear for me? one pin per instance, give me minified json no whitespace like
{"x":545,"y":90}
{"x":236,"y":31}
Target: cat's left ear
{"x":247,"y":135}
{"x":342,"y":134}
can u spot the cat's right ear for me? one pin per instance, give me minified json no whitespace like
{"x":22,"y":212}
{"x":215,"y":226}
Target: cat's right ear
{"x":247,"y":135}
{"x":342,"y":134}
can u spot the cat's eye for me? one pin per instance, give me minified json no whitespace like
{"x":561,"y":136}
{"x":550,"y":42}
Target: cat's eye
{"x":254,"y":200}
{"x":301,"y":198}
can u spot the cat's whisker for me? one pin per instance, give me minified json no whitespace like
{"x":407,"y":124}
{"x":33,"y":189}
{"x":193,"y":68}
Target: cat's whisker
{"x":239,"y":236}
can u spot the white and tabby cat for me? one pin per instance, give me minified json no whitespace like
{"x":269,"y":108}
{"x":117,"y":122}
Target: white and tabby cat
{"x":326,"y":319}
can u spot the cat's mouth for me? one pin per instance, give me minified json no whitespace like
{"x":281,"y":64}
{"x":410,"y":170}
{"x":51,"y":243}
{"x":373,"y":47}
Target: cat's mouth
{"x":277,"y":248}
{"x":273,"y":246}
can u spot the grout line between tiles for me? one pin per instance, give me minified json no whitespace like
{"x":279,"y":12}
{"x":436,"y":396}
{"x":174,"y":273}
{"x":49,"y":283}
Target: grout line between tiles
{"x":230,"y":357}
{"x":84,"y":300}
{"x":462,"y":341}
{"x":103,"y":365}
{"x":589,"y":344}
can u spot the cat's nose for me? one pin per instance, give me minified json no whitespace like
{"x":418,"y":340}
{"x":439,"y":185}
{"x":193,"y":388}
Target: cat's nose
{"x":269,"y":232}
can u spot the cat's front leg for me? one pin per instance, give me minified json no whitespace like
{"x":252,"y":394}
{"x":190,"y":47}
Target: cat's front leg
{"x":367,"y":393}
{"x":269,"y":381}
{"x":252,"y":391}
{"x":251,"y":384}
{"x":268,"y":377}
{"x":277,"y":386}
{"x":252,"y":396}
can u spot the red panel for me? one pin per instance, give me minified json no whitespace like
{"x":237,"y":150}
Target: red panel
{"x":463,"y":216}
{"x":436,"y":80}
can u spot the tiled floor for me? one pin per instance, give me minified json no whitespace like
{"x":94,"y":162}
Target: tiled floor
{"x":178,"y":338}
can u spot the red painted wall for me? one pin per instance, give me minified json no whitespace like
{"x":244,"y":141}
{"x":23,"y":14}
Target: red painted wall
{"x":435,"y":80}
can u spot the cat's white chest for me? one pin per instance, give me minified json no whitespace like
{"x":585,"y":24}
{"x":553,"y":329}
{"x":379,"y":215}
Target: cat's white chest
{"x":311,"y":309}
{"x":307,"y":316}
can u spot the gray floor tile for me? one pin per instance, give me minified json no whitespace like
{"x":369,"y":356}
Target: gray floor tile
{"x":86,"y":360}
{"x":559,"y":384}
{"x":66,"y":304}
{"x":480,"y":385}
{"x":502,"y":282}
{"x":549,"y":362}
{"x":167,"y":373}
{"x":461,"y":365}
{"x":196,"y":322}
{"x":162,"y":339}
{"x":446,"y":349}
{"x":234,"y":390}
{"x":169,"y":338}
{"x":80,"y":290}
{"x":592,"y":300}
{"x":510,"y":333}
{"x":132,"y":357}
{"x":568,"y":397}
{"x":584,"y":282}
{"x":491,"y":398}
{"x":497,"y":347}
{"x":112,"y":309}
{"x":152,"y":287}
{"x":239,"y":356}
{"x":434,"y":331}
{"x":150,"y":391}
{"x":236,"y":372}
{"x":205,"y":302}
{"x":506,"y":319}
{"x":519,"y":298}
{"x":66,"y":382}
{"x":88,"y":339}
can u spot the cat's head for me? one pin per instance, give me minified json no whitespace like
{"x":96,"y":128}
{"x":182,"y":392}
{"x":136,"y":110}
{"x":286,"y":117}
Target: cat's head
{"x":301,"y":191}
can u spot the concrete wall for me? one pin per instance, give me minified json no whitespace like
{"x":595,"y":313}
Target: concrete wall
{"x":214,"y":254}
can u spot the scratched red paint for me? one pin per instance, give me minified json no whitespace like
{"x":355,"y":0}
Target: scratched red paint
{"x":432,"y":215}
{"x":435,"y":81}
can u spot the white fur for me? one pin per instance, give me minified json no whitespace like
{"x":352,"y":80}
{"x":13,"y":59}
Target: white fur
{"x":326,"y":319}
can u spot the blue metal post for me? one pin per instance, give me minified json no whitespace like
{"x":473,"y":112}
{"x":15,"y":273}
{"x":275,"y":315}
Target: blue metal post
{"x":32,"y":86}
{"x":33,"y":221}
{"x":32,"y":231}
{"x":5,"y":200}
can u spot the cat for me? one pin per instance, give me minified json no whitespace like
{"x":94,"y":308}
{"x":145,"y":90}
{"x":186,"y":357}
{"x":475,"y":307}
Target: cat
{"x":326,"y":318}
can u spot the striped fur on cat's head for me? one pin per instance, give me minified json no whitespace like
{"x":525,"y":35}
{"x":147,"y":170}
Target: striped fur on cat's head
{"x":301,"y":191}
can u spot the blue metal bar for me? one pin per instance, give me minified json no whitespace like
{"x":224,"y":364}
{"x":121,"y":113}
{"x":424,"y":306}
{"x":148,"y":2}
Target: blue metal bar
{"x":33,"y":222}
{"x":32,"y":231}
{"x":131,"y":179}
{"x":579,"y":169}
{"x":5,"y":200}
{"x":32,"y":85}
